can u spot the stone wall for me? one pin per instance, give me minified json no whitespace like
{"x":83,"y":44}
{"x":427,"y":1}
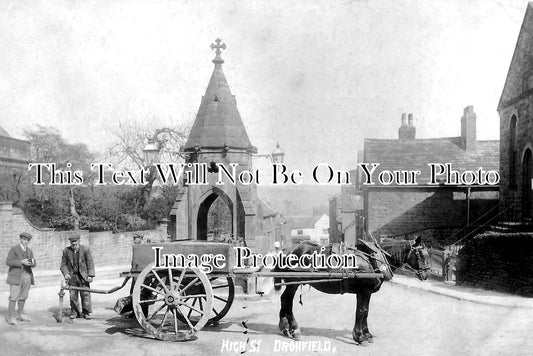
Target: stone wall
{"x":496,"y":261}
{"x":399,"y":211}
{"x":108,"y":249}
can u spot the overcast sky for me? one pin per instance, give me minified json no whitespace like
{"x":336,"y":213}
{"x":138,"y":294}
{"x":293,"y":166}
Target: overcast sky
{"x":317,"y":76}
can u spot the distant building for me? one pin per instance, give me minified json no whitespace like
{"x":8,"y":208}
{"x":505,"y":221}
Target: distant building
{"x":346,"y":213}
{"x":516,"y":128}
{"x":14,"y":159}
{"x":436,"y":211}
{"x":311,"y":228}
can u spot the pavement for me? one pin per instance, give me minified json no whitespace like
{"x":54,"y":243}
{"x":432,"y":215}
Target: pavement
{"x":475,"y":295}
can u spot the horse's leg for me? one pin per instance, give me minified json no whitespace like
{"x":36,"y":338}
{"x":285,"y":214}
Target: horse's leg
{"x":357,"y":332}
{"x":366,"y":332}
{"x":287,"y":322}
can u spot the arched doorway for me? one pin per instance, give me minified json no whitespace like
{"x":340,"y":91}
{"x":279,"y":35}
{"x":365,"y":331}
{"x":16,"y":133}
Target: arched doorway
{"x":215,"y":215}
{"x":527,"y":175}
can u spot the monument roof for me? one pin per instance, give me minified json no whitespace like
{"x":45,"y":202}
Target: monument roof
{"x":218,"y":122}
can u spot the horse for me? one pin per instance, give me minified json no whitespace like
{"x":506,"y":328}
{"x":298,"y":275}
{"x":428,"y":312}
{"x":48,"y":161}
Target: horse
{"x":391,"y":255}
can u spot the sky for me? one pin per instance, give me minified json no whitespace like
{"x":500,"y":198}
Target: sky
{"x":316,"y":76}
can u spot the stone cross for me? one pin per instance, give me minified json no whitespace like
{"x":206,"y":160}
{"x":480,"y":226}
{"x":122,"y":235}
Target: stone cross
{"x":218,"y":46}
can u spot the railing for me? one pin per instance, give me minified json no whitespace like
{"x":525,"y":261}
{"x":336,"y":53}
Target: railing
{"x":476,"y":229}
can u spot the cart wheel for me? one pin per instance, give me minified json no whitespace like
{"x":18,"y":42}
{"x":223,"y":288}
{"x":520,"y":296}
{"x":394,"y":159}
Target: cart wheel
{"x":223,"y":294}
{"x":165,"y":301}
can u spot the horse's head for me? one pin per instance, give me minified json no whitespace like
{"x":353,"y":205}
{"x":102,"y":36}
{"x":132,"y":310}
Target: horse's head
{"x":418,"y":259}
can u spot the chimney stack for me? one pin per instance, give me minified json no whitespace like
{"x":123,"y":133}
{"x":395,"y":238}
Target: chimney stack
{"x":468,"y":128}
{"x":407,"y":131}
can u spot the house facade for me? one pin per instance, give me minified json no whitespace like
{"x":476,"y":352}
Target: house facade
{"x":433,"y":205}
{"x":14,"y":159}
{"x":310,"y":228}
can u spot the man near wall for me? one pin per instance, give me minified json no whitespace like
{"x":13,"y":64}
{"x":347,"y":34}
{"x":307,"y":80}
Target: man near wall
{"x":19,"y":277}
{"x":77,"y":267}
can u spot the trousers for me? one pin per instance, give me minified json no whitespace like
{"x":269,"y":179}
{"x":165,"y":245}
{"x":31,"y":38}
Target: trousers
{"x":77,"y":281}
{"x":20,"y":291}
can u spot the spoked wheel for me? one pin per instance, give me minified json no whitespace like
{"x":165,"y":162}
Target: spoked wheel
{"x":165,"y":302}
{"x":223,"y":294}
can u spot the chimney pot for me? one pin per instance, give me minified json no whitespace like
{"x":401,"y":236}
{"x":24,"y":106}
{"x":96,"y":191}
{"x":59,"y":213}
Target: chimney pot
{"x":468,"y":127}
{"x":407,"y":132}
{"x":404,"y":119}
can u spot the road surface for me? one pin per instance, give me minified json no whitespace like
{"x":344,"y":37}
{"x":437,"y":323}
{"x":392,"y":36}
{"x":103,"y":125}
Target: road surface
{"x":406,"y":321}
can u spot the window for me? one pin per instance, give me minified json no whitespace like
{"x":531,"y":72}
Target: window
{"x":300,"y":232}
{"x":512,"y":153}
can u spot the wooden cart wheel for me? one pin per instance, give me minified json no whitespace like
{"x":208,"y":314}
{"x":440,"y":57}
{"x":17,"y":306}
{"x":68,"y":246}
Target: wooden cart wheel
{"x":223,"y":294}
{"x":172,"y":304}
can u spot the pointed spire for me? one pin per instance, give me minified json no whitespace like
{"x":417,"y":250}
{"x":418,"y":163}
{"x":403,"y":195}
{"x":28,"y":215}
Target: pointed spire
{"x":218,"y":123}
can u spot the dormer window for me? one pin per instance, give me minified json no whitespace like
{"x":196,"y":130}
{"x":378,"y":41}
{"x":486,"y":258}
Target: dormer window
{"x":216,"y":99}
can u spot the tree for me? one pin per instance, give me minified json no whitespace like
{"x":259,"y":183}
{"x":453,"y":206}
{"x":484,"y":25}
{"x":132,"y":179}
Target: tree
{"x":49,"y":146}
{"x":127,"y":152}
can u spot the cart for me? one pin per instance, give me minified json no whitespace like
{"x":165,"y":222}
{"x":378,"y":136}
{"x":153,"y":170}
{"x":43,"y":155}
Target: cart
{"x":174,"y":303}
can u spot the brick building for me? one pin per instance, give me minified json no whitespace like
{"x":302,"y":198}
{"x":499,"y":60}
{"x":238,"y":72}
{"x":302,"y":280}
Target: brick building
{"x":516,"y":126}
{"x":438,"y":210}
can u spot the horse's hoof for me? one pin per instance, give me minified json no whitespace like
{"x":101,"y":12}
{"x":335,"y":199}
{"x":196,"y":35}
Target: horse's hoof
{"x":283,"y":325}
{"x":296,"y":334}
{"x":286,"y":333}
{"x":369,"y":337}
{"x":360,"y":339}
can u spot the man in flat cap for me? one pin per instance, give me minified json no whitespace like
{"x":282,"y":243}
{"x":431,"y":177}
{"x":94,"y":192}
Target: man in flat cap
{"x":19,"y":277}
{"x":77,"y":267}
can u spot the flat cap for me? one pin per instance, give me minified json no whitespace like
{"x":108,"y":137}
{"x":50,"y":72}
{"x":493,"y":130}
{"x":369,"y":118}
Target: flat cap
{"x":25,"y":235}
{"x":138,"y":235}
{"x":75,"y":237}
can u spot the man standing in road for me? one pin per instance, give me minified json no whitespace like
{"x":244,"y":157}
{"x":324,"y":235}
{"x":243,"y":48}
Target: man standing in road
{"x":19,"y":277}
{"x":77,"y":267}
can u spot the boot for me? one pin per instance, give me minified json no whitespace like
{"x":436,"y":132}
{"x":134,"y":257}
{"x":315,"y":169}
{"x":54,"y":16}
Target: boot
{"x":11,"y":312}
{"x":21,"y":315}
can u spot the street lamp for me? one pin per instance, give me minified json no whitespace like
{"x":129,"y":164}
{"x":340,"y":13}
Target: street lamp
{"x":151,"y":152}
{"x":276,"y":156}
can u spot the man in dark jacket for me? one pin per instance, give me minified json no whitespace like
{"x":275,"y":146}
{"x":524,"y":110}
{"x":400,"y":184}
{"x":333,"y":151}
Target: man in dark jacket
{"x":19,"y":277}
{"x":78,"y":269}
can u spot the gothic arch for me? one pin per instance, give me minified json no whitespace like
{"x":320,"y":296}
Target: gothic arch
{"x":204,"y":204}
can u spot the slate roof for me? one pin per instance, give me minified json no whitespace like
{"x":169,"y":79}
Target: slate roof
{"x":302,"y":221}
{"x":416,"y":154}
{"x":218,"y":122}
{"x":3,"y":132}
